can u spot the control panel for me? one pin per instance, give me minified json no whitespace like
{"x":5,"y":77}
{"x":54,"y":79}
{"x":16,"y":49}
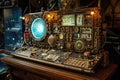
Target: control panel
{"x":63,"y":38}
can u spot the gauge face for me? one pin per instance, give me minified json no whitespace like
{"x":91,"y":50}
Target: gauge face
{"x":52,"y":40}
{"x":79,"y":46}
{"x":61,"y":36}
{"x":38,"y":29}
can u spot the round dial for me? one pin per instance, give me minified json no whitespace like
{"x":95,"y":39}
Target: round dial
{"x":61,"y":35}
{"x":79,"y":46}
{"x":52,"y":40}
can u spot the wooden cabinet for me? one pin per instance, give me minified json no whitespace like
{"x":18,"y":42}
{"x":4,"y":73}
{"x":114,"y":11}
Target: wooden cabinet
{"x":28,"y":70}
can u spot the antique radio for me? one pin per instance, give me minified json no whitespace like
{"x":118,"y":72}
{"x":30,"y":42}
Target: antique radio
{"x":63,"y":38}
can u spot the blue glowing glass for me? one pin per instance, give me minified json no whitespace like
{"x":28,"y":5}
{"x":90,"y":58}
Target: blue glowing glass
{"x":38,"y":28}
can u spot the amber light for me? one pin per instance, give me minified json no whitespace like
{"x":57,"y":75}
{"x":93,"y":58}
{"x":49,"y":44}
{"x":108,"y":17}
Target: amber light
{"x":23,"y":18}
{"x":48,"y":16}
{"x":92,"y":12}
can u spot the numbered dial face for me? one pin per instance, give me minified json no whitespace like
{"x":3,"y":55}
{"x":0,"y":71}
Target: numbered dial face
{"x":38,"y":29}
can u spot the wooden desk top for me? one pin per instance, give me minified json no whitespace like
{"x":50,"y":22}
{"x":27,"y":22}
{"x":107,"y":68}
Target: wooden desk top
{"x":58,"y":74}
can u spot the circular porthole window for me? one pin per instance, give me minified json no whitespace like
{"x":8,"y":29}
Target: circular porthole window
{"x":38,"y":29}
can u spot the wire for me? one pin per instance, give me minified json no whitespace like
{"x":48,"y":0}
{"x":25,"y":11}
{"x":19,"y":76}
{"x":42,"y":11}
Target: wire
{"x":53,"y":5}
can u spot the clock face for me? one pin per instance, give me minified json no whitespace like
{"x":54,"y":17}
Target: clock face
{"x":38,"y":28}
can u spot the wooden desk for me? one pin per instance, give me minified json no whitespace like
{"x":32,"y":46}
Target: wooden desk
{"x":27,"y":70}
